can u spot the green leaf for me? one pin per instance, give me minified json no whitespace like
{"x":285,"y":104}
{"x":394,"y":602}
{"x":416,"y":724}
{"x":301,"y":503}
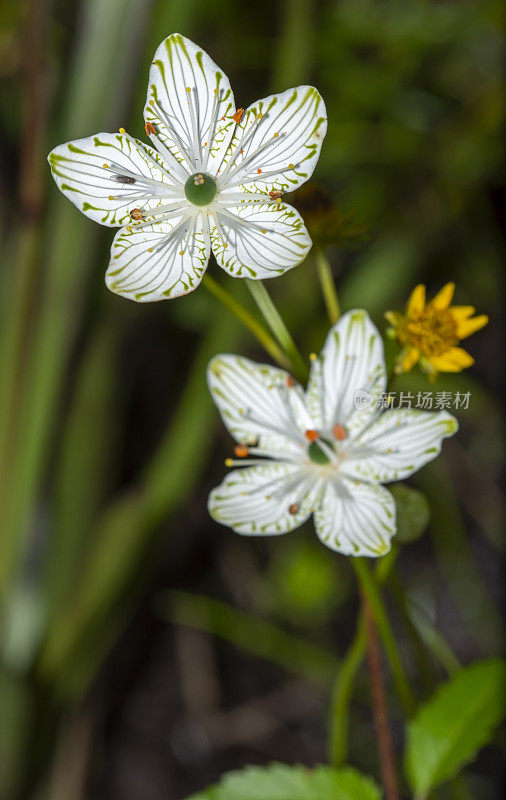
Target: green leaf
{"x":456,"y":722}
{"x":413,"y":513}
{"x":283,"y":782}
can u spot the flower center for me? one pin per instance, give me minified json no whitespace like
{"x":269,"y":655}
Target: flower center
{"x":433,"y":331}
{"x":315,"y":452}
{"x":200,"y":189}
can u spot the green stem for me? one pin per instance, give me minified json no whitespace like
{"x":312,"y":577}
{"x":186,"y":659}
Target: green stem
{"x":371,"y":591}
{"x":341,"y":696}
{"x":328,"y":286}
{"x":345,"y":679}
{"x":274,"y":321}
{"x":248,"y":320}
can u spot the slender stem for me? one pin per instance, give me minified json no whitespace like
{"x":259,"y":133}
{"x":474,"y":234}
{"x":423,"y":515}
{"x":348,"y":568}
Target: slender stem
{"x":344,"y":682}
{"x":248,"y":320}
{"x":341,"y":696}
{"x":273,"y":319}
{"x":328,"y":286}
{"x":370,"y":589}
{"x":379,"y":704}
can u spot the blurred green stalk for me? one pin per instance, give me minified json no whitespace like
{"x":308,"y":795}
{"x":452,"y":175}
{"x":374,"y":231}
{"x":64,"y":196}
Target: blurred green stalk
{"x":328,"y":286}
{"x":275,"y":322}
{"x":294,"y":52}
{"x":77,"y":639}
{"x":243,"y":315}
{"x":344,"y":681}
{"x":109,"y":29}
{"x":370,"y":588}
{"x":250,"y":633}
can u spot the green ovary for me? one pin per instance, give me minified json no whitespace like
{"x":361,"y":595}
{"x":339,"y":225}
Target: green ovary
{"x":316,"y":454}
{"x":200,"y":189}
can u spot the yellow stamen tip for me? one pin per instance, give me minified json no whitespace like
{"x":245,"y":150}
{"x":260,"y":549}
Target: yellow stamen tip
{"x":122,"y":130}
{"x":312,"y":356}
{"x":229,"y":462}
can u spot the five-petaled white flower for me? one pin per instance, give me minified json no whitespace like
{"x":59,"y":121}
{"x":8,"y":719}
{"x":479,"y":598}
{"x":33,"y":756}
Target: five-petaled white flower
{"x":214,"y":180}
{"x":324,"y":451}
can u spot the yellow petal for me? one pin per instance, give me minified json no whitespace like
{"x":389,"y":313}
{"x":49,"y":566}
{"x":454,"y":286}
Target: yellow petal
{"x":469,"y":326}
{"x":444,"y":296}
{"x":416,"y":300}
{"x":409,"y":359}
{"x":462,"y":312}
{"x":394,"y":318}
{"x":454,"y":360}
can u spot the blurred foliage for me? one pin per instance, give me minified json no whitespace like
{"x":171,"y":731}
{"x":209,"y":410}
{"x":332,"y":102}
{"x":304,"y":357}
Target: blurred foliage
{"x":456,"y":722}
{"x":412,"y":513}
{"x":298,"y":783}
{"x":106,"y":429}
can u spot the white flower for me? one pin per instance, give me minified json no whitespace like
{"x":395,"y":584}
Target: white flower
{"x":214,"y":180}
{"x":322,"y":451}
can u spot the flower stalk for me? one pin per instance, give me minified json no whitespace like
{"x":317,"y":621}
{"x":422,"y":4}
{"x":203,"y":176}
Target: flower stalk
{"x":243,"y":315}
{"x":370,"y":589}
{"x":275,"y":322}
{"x":379,"y":704}
{"x":328,"y":286}
{"x":343,"y":684}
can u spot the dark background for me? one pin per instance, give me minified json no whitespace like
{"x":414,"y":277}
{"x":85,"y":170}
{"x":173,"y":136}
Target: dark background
{"x":132,"y":661}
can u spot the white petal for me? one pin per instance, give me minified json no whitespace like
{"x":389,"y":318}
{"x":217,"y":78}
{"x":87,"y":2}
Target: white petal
{"x":259,"y":405}
{"x":356,"y":518}
{"x":268,"y":499}
{"x":108,"y":175}
{"x":190,"y":104}
{"x":277,"y":144}
{"x":398,"y":444}
{"x":351,"y":367}
{"x":259,"y":241}
{"x":158,"y":261}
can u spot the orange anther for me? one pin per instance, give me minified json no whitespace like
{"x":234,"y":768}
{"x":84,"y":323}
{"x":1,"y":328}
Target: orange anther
{"x":150,"y":129}
{"x":275,"y":195}
{"x":312,"y":435}
{"x":241,"y":451}
{"x":293,"y":508}
{"x":290,"y":381}
{"x":339,"y":432}
{"x":237,"y":117}
{"x":259,"y":171}
{"x":136,"y":213}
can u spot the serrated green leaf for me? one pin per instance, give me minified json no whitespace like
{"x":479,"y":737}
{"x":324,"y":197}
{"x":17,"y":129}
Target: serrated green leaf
{"x":283,"y":782}
{"x":413,"y":513}
{"x":456,"y":722}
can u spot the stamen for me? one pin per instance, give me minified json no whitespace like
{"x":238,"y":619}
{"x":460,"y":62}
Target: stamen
{"x":166,"y":120}
{"x":311,"y":435}
{"x":241,"y":451}
{"x":244,"y":165}
{"x":212,"y":125}
{"x":237,"y":117}
{"x":195,"y":127}
{"x":340,"y":432}
{"x":290,"y":381}
{"x":136,"y":213}
{"x":150,"y":129}
{"x":293,"y":508}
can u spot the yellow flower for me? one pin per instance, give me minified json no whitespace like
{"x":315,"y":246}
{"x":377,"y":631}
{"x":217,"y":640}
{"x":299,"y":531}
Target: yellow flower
{"x":431,"y":332}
